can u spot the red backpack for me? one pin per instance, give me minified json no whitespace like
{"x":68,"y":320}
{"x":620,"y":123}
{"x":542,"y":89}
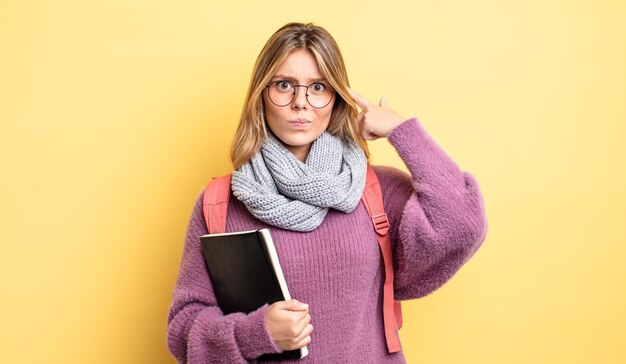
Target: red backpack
{"x":215,"y":206}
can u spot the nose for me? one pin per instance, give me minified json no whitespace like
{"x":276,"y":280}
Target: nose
{"x":299,"y":99}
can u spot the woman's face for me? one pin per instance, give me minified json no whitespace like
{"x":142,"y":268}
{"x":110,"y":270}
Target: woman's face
{"x":298,"y":124}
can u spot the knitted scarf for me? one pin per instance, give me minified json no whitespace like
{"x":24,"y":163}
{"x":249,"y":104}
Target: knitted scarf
{"x":280,"y":190}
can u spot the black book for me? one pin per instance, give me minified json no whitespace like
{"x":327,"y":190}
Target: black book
{"x":246,"y":274}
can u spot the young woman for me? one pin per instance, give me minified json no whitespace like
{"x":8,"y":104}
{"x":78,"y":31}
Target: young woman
{"x":300,"y":160}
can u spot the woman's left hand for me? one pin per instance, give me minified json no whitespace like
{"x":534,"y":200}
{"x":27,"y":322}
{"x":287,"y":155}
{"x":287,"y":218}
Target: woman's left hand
{"x":374,"y":121}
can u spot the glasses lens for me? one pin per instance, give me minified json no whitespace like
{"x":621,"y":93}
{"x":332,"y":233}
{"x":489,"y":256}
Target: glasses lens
{"x":281,"y":92}
{"x":319,"y":94}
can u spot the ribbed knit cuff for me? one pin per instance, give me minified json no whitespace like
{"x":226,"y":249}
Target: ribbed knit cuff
{"x":253,"y":337}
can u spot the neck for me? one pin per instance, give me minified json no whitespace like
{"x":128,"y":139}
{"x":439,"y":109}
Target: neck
{"x":300,"y":152}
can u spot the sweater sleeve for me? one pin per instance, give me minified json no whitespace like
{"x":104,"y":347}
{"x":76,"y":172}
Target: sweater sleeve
{"x":437,"y":213}
{"x":197,"y":330}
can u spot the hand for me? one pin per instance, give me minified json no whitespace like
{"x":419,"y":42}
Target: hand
{"x":373,"y":121}
{"x":288,"y":323}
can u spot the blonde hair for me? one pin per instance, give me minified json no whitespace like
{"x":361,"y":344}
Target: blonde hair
{"x":252,"y":130}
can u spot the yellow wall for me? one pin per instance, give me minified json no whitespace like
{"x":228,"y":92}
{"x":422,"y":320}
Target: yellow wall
{"x":114,"y":114}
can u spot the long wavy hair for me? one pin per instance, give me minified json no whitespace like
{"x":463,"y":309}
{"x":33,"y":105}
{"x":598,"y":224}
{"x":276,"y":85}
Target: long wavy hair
{"x":252,"y":129}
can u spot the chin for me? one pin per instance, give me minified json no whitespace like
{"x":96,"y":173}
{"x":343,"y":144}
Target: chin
{"x":298,"y":142}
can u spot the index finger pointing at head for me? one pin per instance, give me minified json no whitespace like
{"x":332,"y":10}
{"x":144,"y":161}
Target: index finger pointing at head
{"x":360,"y":100}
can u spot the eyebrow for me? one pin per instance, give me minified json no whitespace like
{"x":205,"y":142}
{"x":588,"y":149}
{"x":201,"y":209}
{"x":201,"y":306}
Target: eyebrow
{"x":289,"y":78}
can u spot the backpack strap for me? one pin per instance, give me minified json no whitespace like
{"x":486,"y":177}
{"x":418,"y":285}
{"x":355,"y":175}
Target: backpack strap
{"x":215,"y":204}
{"x":392,"y":315}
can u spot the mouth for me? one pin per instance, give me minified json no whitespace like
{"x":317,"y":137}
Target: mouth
{"x":299,"y":123}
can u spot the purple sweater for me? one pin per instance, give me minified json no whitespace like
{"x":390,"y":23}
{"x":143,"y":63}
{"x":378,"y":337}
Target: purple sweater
{"x":437,"y":223}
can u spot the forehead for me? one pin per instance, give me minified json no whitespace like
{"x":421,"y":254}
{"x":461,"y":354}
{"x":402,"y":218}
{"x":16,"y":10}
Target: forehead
{"x":300,"y":65}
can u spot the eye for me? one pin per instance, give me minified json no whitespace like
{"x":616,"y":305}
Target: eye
{"x":318,"y":87}
{"x":284,"y":85}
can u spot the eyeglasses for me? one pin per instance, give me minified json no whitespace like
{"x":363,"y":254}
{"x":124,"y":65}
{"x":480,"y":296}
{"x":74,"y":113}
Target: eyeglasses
{"x":282,"y":93}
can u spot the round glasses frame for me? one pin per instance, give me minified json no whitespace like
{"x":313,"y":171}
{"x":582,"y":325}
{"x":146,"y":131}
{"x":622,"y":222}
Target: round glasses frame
{"x":293,"y":96}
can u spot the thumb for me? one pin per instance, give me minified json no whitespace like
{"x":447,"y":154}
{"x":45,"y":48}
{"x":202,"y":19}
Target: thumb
{"x":296,"y":305}
{"x":383,"y":102}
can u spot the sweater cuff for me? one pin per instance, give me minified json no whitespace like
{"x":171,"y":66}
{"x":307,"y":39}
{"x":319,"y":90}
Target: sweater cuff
{"x":252,"y":335}
{"x":418,"y":150}
{"x":406,"y":132}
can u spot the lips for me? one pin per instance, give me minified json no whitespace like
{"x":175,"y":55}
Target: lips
{"x":299,"y":123}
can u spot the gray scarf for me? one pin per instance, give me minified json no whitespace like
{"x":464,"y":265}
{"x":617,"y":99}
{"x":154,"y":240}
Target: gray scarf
{"x":282,"y":191}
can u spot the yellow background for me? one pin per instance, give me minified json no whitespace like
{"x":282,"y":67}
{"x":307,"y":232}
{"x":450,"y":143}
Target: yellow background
{"x":114,"y":114}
